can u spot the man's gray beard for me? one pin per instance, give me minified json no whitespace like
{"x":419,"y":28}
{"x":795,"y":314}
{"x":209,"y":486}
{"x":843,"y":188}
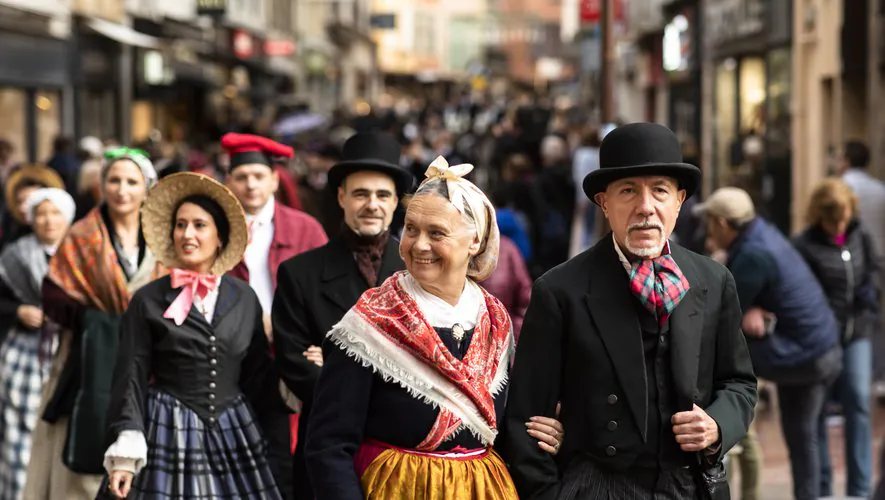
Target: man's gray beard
{"x":644,"y":253}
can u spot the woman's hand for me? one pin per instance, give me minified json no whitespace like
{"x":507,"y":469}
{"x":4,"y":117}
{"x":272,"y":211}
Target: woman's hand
{"x":314,"y":354}
{"x":120,"y":482}
{"x":30,"y":316}
{"x":548,"y":431}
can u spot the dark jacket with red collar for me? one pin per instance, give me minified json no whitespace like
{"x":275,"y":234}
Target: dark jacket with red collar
{"x":294,"y":233}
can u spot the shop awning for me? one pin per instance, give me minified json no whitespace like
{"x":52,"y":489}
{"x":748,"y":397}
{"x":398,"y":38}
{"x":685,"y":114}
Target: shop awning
{"x":123,"y":34}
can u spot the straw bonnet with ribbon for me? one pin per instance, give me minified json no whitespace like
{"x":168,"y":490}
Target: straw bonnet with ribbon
{"x":464,"y":195}
{"x":35,"y":173}
{"x":639,"y":150}
{"x":156,"y":222}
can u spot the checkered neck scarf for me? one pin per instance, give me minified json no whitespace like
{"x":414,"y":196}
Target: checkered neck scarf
{"x":659,"y":285}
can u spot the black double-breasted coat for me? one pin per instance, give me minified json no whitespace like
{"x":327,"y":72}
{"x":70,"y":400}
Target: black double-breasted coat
{"x":581,"y":345}
{"x":314,"y":291}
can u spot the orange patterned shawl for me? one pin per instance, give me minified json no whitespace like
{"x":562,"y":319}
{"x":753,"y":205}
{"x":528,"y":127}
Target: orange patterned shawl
{"x":85,"y":267}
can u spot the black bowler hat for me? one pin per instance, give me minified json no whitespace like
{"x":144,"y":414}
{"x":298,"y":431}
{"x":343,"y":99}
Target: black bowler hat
{"x":374,"y":151}
{"x":637,"y":150}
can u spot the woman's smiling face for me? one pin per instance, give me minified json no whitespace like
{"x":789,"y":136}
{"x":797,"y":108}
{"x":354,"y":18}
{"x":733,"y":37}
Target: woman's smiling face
{"x":437,"y":242}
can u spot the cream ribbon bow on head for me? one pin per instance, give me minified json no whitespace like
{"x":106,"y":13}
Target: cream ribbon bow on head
{"x":463,"y":193}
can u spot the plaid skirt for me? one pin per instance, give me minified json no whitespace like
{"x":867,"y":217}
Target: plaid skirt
{"x":188,"y":460}
{"x":21,"y":385}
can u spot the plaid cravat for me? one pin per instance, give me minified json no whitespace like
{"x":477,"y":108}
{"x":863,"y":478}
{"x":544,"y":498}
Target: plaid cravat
{"x":659,"y":285}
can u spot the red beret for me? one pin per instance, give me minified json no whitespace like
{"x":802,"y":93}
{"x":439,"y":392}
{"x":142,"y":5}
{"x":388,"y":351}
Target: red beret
{"x":247,"y":149}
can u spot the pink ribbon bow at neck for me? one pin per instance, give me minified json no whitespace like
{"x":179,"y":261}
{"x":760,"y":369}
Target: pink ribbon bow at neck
{"x":195,"y":284}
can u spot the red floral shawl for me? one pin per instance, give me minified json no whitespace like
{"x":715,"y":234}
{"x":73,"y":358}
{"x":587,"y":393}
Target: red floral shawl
{"x":387,"y":331}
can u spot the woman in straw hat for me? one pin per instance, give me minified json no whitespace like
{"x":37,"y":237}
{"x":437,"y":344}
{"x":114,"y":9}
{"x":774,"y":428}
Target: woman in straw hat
{"x":23,"y":264}
{"x":192,"y":348}
{"x":20,"y":185}
{"x":101,"y":262}
{"x":414,"y":378}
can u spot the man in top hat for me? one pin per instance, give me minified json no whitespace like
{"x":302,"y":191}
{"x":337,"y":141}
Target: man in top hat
{"x":640,"y":341}
{"x":316,"y":288}
{"x":277,"y":234}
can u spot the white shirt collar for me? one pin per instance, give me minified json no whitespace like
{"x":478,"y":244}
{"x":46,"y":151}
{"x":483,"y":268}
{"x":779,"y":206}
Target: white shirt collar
{"x":265,"y":216}
{"x":440,"y":313}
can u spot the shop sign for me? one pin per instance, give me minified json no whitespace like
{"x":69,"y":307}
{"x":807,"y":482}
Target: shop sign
{"x":243,"y":44}
{"x":590,"y":11}
{"x":730,"y":20}
{"x":211,"y":7}
{"x":279,"y":47}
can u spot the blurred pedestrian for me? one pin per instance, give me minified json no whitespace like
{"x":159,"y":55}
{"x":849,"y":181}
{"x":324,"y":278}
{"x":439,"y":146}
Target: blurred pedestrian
{"x":23,"y":370}
{"x":510,"y":283}
{"x":23,"y":181}
{"x":792,"y":333}
{"x":842,"y":256}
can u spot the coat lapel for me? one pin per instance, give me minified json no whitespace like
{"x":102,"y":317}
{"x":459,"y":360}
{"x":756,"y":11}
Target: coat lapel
{"x":686,"y":329}
{"x":612,"y":311}
{"x":342,"y":282}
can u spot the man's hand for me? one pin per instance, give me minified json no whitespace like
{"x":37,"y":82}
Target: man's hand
{"x":30,"y":316}
{"x":695,"y":430}
{"x":314,"y":354}
{"x":753,"y":322}
{"x":268,"y":328}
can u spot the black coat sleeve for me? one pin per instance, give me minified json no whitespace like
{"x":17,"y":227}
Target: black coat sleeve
{"x":131,"y":372}
{"x":258,"y":377}
{"x":292,"y":337}
{"x":336,"y":425}
{"x":534,"y":390}
{"x":9,"y":304}
{"x":734,"y":383}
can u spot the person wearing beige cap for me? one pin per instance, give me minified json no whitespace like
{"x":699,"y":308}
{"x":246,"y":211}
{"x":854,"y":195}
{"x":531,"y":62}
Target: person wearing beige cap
{"x":792,"y":332}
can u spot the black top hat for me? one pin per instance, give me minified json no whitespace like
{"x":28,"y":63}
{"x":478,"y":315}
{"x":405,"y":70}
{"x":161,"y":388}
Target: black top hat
{"x":371,"y":151}
{"x":637,"y":150}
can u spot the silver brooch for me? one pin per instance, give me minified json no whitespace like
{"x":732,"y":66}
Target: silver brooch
{"x":458,"y":332}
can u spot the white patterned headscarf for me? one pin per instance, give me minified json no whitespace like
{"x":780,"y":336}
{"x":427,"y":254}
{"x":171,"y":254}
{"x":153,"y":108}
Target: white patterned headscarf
{"x":58,"y":197}
{"x":472,"y":202}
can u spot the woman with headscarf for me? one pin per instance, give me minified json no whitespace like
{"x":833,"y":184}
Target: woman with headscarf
{"x":23,"y":265}
{"x":22,"y":182}
{"x":192,"y":349}
{"x":415,"y":374}
{"x":101,"y":262}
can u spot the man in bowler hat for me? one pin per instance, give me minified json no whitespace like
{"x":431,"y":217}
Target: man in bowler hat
{"x":316,"y":288}
{"x":640,"y":341}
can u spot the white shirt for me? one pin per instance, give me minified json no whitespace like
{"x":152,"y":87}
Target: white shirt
{"x":441,"y":314}
{"x":258,"y":252}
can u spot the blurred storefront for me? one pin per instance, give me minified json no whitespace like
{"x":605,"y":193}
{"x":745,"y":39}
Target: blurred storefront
{"x":681,"y":61}
{"x":34,"y":82}
{"x":751,"y":54}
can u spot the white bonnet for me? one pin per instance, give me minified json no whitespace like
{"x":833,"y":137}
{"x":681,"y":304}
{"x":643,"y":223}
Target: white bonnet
{"x":58,"y":197}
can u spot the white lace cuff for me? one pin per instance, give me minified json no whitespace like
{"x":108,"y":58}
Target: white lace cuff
{"x":128,"y":453}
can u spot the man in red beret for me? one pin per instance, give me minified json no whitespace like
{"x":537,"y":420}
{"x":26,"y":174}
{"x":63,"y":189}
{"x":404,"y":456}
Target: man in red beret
{"x":277,"y":234}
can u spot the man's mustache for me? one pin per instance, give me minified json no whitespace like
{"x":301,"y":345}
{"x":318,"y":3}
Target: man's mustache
{"x":645,"y":225}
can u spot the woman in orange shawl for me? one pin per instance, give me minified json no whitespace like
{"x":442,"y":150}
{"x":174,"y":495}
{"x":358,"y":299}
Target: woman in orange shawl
{"x":101,"y":262}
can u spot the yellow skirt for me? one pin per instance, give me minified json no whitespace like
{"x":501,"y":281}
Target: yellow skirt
{"x":396,"y":474}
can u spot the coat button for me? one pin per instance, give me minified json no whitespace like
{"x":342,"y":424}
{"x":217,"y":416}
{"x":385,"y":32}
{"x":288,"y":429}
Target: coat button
{"x":213,"y":349}
{"x":212,"y":408}
{"x":213,"y":361}
{"x":213,"y":373}
{"x":612,"y":426}
{"x":212,"y":385}
{"x":212,"y":338}
{"x":211,"y":396}
{"x":611,"y":451}
{"x":612,"y":399}
{"x":211,"y":420}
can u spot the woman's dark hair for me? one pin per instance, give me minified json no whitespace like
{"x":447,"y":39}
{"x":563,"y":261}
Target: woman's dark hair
{"x":215,"y":211}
